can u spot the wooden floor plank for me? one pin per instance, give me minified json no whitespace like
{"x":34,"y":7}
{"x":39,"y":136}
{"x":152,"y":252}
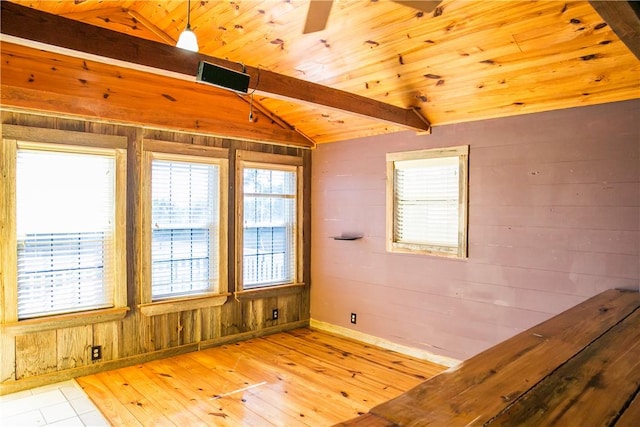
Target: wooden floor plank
{"x":483,"y":386}
{"x":631,"y":415}
{"x":256,"y":372}
{"x":308,"y":378}
{"x":369,"y":420}
{"x":592,"y":388}
{"x":332,"y":387}
{"x":288,"y":354}
{"x":140,"y":406}
{"x":165,"y":394}
{"x":307,"y":384}
{"x":366,"y":376}
{"x":110,"y":405}
{"x":337,"y":369}
{"x":207,"y":388}
{"x":381,"y":357}
{"x":348,"y":354}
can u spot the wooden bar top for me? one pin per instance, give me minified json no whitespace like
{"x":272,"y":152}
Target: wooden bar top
{"x":581,"y":367}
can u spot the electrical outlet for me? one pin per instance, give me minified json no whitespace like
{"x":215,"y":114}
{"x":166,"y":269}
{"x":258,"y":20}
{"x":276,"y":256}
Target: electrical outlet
{"x":274,"y":314}
{"x":354,"y":318}
{"x":96,"y":352}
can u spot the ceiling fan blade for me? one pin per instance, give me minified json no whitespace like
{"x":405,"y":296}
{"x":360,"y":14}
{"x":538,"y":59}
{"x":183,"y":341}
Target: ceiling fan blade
{"x":426,"y":6}
{"x":317,"y":16}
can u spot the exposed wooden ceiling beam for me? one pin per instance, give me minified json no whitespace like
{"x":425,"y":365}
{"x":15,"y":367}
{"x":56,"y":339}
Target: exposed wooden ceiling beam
{"x":622,"y":17}
{"x":151,"y":27}
{"x":106,"y":14}
{"x":51,"y":30}
{"x":36,"y":79}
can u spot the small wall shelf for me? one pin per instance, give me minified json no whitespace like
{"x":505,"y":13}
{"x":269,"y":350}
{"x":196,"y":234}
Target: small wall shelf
{"x":347,"y":236}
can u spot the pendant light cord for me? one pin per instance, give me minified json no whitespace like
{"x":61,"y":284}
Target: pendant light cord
{"x":188,"y":14}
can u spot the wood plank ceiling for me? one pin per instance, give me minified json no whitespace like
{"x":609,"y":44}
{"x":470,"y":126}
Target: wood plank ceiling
{"x":468,"y":60}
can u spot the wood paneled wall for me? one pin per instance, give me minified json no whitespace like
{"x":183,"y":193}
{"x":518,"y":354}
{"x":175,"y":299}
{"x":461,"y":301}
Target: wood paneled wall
{"x":554,"y":218}
{"x":31,"y":358}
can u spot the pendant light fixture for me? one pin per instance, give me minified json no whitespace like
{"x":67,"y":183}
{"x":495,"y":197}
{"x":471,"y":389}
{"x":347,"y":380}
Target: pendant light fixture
{"x":188,"y":38}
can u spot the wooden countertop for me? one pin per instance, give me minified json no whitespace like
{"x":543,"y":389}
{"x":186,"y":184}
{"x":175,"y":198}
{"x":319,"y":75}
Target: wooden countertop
{"x":581,"y":367}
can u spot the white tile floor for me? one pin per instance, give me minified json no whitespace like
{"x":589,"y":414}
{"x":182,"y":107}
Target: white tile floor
{"x":61,"y":404}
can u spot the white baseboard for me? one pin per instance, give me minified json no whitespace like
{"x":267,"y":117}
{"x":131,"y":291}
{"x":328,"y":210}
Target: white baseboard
{"x":383,"y":343}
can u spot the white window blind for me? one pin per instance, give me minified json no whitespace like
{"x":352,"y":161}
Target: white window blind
{"x":65,"y":205}
{"x":269,"y":238}
{"x":426,"y":201}
{"x":184,"y":249}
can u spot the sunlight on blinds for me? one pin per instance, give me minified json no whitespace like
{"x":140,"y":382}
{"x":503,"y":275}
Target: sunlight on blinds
{"x":426,"y":201}
{"x":184,"y":253}
{"x":269,"y":254}
{"x":65,"y":230}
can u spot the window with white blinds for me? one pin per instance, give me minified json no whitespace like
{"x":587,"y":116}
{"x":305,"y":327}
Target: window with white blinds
{"x":185,"y":228}
{"x":270,"y":226}
{"x":427,"y":201}
{"x":65,"y":220}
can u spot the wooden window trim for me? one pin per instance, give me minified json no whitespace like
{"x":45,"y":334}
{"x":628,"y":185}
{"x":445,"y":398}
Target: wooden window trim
{"x":457,"y":252}
{"x":67,"y":141}
{"x":268,"y":158}
{"x":64,"y":137}
{"x":275,"y":161}
{"x":62,"y":321}
{"x":270,"y":291}
{"x":175,"y":305}
{"x":155,"y":149}
{"x":176,"y":148}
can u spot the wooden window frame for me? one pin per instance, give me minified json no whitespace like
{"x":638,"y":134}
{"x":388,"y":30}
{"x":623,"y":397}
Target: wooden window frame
{"x":14,"y":137}
{"x":153,"y":149}
{"x":275,"y":161}
{"x":460,"y":250}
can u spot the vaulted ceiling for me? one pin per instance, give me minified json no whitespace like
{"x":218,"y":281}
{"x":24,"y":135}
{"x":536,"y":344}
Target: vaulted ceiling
{"x":378,"y":66}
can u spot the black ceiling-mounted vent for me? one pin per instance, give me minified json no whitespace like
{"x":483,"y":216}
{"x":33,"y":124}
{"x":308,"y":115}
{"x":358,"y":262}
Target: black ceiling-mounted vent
{"x":222,"y":77}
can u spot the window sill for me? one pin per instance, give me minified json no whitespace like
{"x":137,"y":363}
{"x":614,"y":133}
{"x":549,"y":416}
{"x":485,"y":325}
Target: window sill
{"x":439,"y":251}
{"x":183,"y":304}
{"x":270,"y":291}
{"x":65,"y":321}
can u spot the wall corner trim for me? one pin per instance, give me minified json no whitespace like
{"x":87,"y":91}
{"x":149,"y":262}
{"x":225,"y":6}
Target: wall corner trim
{"x":383,"y":343}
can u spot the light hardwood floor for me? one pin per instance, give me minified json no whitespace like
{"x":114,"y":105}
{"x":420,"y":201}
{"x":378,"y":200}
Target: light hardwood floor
{"x":297,"y":378}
